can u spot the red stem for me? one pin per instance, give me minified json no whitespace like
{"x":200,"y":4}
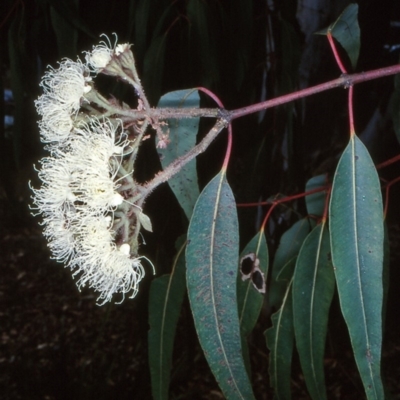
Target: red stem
{"x":388,"y":162}
{"x":229,"y":145}
{"x":351,"y":114}
{"x":344,"y":71}
{"x":283,"y":199}
{"x":344,"y":80}
{"x":335,"y":53}
{"x":388,"y":186}
{"x":326,"y":207}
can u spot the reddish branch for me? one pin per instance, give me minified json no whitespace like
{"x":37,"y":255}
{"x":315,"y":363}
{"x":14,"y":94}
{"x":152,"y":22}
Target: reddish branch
{"x":344,"y":80}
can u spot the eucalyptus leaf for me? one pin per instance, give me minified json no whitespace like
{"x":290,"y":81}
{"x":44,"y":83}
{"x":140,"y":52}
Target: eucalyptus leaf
{"x":347,"y":32}
{"x":289,"y":247}
{"x":249,"y":299}
{"x":280,"y":340}
{"x":165,"y":302}
{"x":212,"y":260}
{"x":357,"y":236}
{"x":182,"y":138}
{"x":313,"y":288}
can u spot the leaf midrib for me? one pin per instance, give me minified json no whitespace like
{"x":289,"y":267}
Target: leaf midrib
{"x":212,"y":288}
{"x":355,"y":230}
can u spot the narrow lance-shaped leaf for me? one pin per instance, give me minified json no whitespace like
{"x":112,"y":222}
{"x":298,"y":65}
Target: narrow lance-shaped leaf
{"x":313,"y":288}
{"x":182,"y":136}
{"x":212,"y":260}
{"x":356,"y":225}
{"x":280,"y":338}
{"x":250,"y":300}
{"x":289,"y":246}
{"x":165,"y":301}
{"x":385,"y":275}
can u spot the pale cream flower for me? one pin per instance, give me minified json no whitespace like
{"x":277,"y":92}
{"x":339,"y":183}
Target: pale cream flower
{"x":56,"y":124}
{"x":77,"y":199}
{"x":61,"y":235}
{"x":105,"y":57}
{"x":64,"y":90}
{"x":101,"y":265}
{"x":99,"y":57}
{"x":68,"y":84}
{"x":55,"y":195}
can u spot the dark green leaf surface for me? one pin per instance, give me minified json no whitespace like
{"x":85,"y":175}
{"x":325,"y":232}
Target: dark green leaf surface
{"x":280,"y":338}
{"x":165,"y":301}
{"x":347,"y":32}
{"x":356,"y":224}
{"x":315,"y":202}
{"x":182,"y":136}
{"x":385,"y":275}
{"x":249,"y":299}
{"x":289,"y":246}
{"x":212,"y":260}
{"x":313,"y":288}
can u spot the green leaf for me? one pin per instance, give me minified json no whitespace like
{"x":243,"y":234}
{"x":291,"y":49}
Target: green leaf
{"x":249,"y":299}
{"x":356,"y":225}
{"x":280,"y":343}
{"x":315,"y":202}
{"x":385,"y":274}
{"x":182,"y":136}
{"x":347,"y":32}
{"x":212,"y":260}
{"x":313,"y":288}
{"x":289,"y":246}
{"x":165,"y":301}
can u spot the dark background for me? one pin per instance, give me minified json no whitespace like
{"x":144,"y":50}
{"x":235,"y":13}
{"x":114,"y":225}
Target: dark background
{"x":55,"y":342}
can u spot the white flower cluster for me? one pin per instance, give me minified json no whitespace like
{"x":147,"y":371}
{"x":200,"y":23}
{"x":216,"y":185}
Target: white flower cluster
{"x":101,"y":55}
{"x":79,"y":196}
{"x":64,"y":89}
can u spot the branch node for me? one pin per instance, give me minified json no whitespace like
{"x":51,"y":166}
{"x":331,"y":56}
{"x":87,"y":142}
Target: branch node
{"x":224,"y":115}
